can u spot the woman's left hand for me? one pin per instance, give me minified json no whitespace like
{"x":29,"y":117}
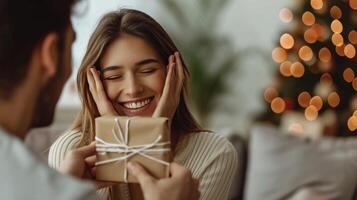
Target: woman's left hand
{"x":170,"y":97}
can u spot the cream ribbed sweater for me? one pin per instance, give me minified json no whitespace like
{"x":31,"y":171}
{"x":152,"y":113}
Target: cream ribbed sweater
{"x":210,"y":157}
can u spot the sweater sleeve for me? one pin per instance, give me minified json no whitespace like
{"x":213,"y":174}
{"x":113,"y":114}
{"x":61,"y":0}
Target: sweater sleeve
{"x":213,"y":160}
{"x":61,"y":146}
{"x":217,"y":178}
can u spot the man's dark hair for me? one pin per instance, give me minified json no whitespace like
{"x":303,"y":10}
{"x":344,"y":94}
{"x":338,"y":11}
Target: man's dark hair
{"x":23,"y":25}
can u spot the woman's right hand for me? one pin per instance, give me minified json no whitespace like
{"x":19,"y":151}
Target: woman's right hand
{"x":104,"y":105}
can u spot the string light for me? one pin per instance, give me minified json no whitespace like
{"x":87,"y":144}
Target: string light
{"x":305,"y":53}
{"x":317,"y":4}
{"x":348,"y":75}
{"x":335,"y":12}
{"x":279,"y":55}
{"x":311,"y":113}
{"x":278,"y":105}
{"x":269,"y":94}
{"x":304,"y":99}
{"x":308,"y":18}
{"x":325,"y":54}
{"x":297,"y":69}
{"x":337,"y":39}
{"x":285,"y":68}
{"x":316,"y":101}
{"x":286,"y":15}
{"x":333,"y":99}
{"x":350,"y":51}
{"x":336,"y":26}
{"x":352,"y":37}
{"x":287,"y":41}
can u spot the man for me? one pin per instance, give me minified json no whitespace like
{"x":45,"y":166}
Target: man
{"x":35,"y":61}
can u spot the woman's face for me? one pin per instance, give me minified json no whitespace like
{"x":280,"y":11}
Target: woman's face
{"x":133,"y":75}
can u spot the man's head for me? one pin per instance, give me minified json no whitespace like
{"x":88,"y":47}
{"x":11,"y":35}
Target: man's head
{"x":35,"y":35}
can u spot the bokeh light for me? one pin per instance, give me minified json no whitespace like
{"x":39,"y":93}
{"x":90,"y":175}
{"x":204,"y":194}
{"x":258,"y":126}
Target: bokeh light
{"x":286,"y":15}
{"x":317,"y":102}
{"x":304,"y":99}
{"x":348,"y":75}
{"x":279,"y":55}
{"x":317,"y":4}
{"x":336,"y":26}
{"x":333,"y":99}
{"x":305,"y":53}
{"x":308,"y":18}
{"x":278,"y":105}
{"x":269,"y":94}
{"x":311,"y":113}
{"x":287,"y":41}
{"x":325,"y":54}
{"x":352,"y":37}
{"x":297,"y":69}
{"x":337,"y":39}
{"x":285,"y":68}
{"x":335,"y":12}
{"x":350,"y":51}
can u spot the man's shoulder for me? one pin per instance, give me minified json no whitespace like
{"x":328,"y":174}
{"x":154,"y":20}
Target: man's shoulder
{"x":23,"y":176}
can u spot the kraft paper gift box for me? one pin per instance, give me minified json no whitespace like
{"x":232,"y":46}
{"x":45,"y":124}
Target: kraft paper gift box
{"x":119,"y":140}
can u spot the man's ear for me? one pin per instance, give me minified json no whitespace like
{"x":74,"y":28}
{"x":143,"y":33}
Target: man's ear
{"x":49,"y":54}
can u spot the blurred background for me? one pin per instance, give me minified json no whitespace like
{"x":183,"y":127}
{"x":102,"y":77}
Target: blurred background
{"x":285,"y":62}
{"x":227,"y":45}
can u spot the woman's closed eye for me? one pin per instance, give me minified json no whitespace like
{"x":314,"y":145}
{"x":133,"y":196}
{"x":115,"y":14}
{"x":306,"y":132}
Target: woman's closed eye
{"x":148,"y":70}
{"x":113,"y":77}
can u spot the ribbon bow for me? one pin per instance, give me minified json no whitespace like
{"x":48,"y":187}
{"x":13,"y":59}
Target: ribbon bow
{"x":104,"y":147}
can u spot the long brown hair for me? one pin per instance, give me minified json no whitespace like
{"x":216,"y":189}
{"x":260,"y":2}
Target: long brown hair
{"x":110,"y":27}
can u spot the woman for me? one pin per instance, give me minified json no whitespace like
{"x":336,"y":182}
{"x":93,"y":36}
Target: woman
{"x":133,"y":68}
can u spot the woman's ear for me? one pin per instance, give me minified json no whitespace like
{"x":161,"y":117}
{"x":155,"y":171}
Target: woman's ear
{"x":49,"y":54}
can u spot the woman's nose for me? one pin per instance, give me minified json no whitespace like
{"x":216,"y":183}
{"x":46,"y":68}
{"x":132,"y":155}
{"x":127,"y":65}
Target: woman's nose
{"x":133,"y":87}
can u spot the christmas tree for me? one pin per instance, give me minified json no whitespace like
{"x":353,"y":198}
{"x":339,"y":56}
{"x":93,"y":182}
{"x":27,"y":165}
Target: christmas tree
{"x":316,"y":61}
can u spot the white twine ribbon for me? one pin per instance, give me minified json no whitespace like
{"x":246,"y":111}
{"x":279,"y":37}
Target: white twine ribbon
{"x":104,"y":147}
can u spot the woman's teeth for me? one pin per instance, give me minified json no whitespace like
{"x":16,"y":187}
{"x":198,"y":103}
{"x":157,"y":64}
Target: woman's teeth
{"x":138,"y":104}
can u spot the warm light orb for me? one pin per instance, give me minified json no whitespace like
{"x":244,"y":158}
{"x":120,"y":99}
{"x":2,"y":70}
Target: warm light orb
{"x":352,"y":37}
{"x":286,"y":15}
{"x":350,"y":51}
{"x":287,"y":41}
{"x":335,"y":12}
{"x":340,"y":50}
{"x":325,"y":54}
{"x":354,"y":84}
{"x":316,"y":101}
{"x":304,"y":99}
{"x":269,"y":94}
{"x":317,"y":4}
{"x":348,"y":75}
{"x":305,"y":53}
{"x":278,"y":105}
{"x":310,"y":36}
{"x":311,"y":113}
{"x":353,"y":4}
{"x":333,"y":99}
{"x":279,"y":55}
{"x":337,"y":39}
{"x":336,"y":26}
{"x":352,"y":123}
{"x":285,"y":68}
{"x":297,"y":70}
{"x":308,"y":18}
{"x":326,"y":79}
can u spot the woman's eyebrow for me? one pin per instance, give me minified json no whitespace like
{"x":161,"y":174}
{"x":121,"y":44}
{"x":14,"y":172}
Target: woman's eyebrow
{"x":140,"y":63}
{"x":110,"y":68}
{"x":147,"y":61}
